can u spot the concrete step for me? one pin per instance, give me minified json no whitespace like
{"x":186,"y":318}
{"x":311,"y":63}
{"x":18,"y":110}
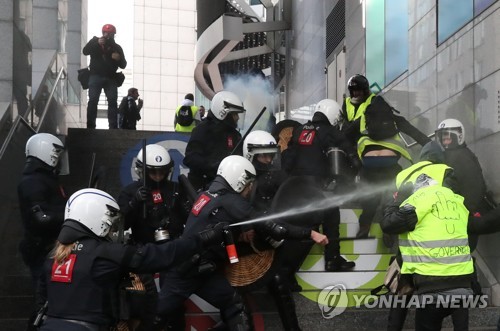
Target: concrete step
{"x":368,"y":262}
{"x":357,"y":246}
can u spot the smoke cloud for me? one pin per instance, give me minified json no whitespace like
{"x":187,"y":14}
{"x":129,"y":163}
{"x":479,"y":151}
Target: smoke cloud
{"x":256,"y":92}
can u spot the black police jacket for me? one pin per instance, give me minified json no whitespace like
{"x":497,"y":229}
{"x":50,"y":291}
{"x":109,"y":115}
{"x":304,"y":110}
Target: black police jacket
{"x":211,"y":141}
{"x":164,"y":209}
{"x":85,"y":286}
{"x":39,"y":189}
{"x":219,"y":204}
{"x":306,"y":153}
{"x":470,"y":180}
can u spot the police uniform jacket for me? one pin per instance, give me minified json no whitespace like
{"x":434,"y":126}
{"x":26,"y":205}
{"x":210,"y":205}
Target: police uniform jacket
{"x":220,"y":203}
{"x":470,"y":180}
{"x":84,"y":287}
{"x":266,"y":184}
{"x":164,"y":209}
{"x":306,"y":152}
{"x":210,"y":142}
{"x":39,"y":186}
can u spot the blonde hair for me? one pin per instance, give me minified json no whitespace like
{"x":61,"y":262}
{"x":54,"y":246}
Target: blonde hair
{"x":61,"y":252}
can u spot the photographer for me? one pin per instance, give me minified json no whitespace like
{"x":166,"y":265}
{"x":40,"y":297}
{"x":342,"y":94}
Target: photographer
{"x":105,"y":58}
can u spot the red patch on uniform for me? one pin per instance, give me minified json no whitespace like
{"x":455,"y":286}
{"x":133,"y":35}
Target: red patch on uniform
{"x":199,"y":204}
{"x":156,"y":195}
{"x":230,"y":143}
{"x":63,"y":273}
{"x":306,"y":137}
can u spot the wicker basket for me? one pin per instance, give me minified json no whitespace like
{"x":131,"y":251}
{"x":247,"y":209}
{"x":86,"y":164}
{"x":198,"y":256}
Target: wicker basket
{"x":250,"y":268}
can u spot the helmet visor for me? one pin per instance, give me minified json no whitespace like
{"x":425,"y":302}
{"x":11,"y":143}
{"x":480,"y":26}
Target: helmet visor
{"x":265,"y":156}
{"x":59,"y":157}
{"x":109,"y":220}
{"x":448,"y":138}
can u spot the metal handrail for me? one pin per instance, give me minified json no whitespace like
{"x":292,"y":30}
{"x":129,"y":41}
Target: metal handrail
{"x":49,"y":99}
{"x":20,"y":119}
{"x":15,"y":124}
{"x":409,"y":145}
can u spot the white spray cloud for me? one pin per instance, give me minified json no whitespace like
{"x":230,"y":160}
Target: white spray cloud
{"x":256,"y":92}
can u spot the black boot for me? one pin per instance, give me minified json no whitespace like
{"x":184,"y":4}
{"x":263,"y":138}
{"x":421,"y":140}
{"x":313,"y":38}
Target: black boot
{"x":338,"y":263}
{"x":235,"y":315}
{"x":284,"y":302}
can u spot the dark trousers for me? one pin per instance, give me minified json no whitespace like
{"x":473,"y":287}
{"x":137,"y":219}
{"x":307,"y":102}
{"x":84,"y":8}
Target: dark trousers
{"x":331,"y":228}
{"x":431,"y":318}
{"x":375,"y":177}
{"x":213,"y":288}
{"x":397,"y":317}
{"x":96,"y":85}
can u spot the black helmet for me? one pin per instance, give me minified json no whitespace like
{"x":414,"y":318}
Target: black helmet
{"x":358,"y":82}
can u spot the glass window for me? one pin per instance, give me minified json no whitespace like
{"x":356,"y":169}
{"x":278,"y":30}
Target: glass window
{"x":452,"y":15}
{"x":375,"y":68}
{"x":386,"y":40}
{"x":396,"y":38}
{"x":481,"y":5}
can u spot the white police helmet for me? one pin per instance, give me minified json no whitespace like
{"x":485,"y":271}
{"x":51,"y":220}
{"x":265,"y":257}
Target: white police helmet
{"x":225,"y":102}
{"x":95,"y":209}
{"x":331,"y":109}
{"x":450,"y":129}
{"x":237,"y":171}
{"x":157,"y":158}
{"x":259,"y":142}
{"x":45,"y":147}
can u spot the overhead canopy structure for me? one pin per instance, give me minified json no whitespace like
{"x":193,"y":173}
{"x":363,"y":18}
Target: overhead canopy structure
{"x":232,"y":40}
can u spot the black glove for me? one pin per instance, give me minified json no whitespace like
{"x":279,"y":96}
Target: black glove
{"x":275,"y":230}
{"x":142,"y":194}
{"x":213,"y":234}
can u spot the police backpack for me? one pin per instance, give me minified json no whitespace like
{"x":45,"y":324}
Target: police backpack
{"x":185,"y":116}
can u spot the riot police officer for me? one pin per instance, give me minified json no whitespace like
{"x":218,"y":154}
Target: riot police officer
{"x":155,"y":213}
{"x":160,"y":197}
{"x":81,"y":277}
{"x":41,"y":200}
{"x":261,"y":149}
{"x":306,"y":155}
{"x":224,"y":201}
{"x":214,"y":139}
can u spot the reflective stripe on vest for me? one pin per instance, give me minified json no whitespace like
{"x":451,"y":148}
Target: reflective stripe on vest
{"x":351,"y":109}
{"x":438,"y":246}
{"x":395,"y":143}
{"x":435,"y":171}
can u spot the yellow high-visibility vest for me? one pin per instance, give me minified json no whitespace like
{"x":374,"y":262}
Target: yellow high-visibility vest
{"x":351,"y":109}
{"x":439,"y":244}
{"x":180,"y":128}
{"x":435,"y":171}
